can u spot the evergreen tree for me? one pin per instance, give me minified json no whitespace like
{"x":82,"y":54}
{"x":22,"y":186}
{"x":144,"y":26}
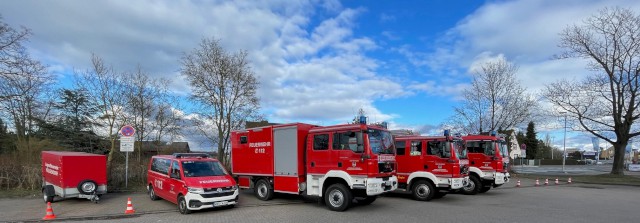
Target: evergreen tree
{"x":7,"y":139}
{"x":531,"y":141}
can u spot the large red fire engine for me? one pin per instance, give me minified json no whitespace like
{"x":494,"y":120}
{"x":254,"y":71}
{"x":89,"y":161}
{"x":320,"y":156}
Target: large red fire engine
{"x":336,"y":163}
{"x":430,"y":166}
{"x":489,"y":162}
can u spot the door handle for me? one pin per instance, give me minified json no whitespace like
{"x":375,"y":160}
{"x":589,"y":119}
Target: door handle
{"x":313,"y":164}
{"x":339,"y":164}
{"x":473,"y":162}
{"x":426,"y":167}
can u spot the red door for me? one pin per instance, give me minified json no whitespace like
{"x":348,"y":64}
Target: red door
{"x":318,"y":154}
{"x":175,"y":183}
{"x":347,"y":154}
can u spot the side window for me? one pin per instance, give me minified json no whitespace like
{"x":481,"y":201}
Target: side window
{"x":400,"y":147}
{"x":160,"y":165}
{"x":474,"y":147}
{"x":321,"y":142}
{"x":175,"y":168}
{"x":345,"y":141}
{"x":243,"y":139}
{"x":434,"y":148}
{"x":416,"y":148}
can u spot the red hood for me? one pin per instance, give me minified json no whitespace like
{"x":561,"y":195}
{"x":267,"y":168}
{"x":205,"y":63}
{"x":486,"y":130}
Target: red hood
{"x":210,"y":182}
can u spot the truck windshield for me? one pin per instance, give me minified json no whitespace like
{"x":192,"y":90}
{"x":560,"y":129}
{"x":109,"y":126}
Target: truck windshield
{"x":486,"y":147}
{"x":381,"y":142}
{"x":461,"y":151}
{"x":203,"y":169}
{"x":503,"y":149}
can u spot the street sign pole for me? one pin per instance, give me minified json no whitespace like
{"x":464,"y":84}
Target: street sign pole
{"x":127,"y":141}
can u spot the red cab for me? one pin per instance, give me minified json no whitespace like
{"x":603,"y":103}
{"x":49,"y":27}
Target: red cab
{"x":488,"y":162}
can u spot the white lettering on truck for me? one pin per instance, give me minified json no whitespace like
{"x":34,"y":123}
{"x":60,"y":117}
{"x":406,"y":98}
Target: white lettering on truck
{"x":260,"y":144}
{"x":51,"y":169}
{"x":213,"y":181}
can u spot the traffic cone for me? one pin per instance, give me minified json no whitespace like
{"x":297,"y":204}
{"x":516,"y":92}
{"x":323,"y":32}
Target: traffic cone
{"x":569,"y":181}
{"x":537,"y":182}
{"x":518,"y":183}
{"x":129,"y":207}
{"x":546,"y":181}
{"x":557,"y":181}
{"x":50,"y":215}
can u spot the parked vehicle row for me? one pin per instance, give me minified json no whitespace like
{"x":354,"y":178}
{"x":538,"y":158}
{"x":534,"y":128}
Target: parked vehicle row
{"x":338,"y":164}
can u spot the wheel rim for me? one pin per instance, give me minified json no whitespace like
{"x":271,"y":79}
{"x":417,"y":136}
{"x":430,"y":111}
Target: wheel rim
{"x":151,"y":193}
{"x":422,"y":190}
{"x":88,"y":187}
{"x":183,"y":205}
{"x":45,"y":197}
{"x":336,"y":198}
{"x":470,"y":186}
{"x":262,"y":190}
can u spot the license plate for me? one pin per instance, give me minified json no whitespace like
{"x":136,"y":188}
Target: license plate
{"x":388,"y":183}
{"x":220,"y":203}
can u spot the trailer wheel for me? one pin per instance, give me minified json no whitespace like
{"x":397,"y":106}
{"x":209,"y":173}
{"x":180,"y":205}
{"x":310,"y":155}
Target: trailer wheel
{"x":263,"y":190}
{"x":87,"y":187}
{"x":48,"y":193}
{"x":152,"y":194}
{"x":473,"y":186}
{"x":337,"y":197}
{"x":423,"y":190}
{"x":182,"y":205}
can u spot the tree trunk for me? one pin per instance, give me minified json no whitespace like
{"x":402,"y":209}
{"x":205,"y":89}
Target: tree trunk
{"x":618,"y":158}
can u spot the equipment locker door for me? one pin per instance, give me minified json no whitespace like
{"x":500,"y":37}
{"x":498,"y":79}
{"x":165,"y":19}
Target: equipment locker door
{"x":285,"y":149}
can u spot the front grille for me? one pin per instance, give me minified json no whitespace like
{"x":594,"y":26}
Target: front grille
{"x":212,"y":195}
{"x":386,"y":167}
{"x":213,"y":192}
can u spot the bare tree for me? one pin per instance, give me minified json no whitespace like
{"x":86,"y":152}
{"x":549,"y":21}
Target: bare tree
{"x":495,"y":100}
{"x":168,"y":119}
{"x":605,"y":103}
{"x":12,"y":57}
{"x":143,"y":98}
{"x":225,"y":85}
{"x":107,"y":89}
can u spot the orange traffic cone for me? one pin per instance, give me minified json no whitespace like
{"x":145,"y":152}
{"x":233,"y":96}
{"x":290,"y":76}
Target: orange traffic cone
{"x":546,"y":181}
{"x":569,"y":181}
{"x":537,"y":182}
{"x":129,"y":207}
{"x":557,"y":181}
{"x":518,"y":183}
{"x":50,"y":215}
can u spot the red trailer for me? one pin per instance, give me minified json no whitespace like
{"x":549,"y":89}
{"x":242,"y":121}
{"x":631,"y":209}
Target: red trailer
{"x":73,"y":174}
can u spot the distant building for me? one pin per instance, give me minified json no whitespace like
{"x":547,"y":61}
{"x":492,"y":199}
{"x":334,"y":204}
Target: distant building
{"x":150,"y":148}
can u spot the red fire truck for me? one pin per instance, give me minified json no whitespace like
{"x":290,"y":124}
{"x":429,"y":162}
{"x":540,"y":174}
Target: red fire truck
{"x":335,"y":163}
{"x":431,"y":166}
{"x":489,"y":162}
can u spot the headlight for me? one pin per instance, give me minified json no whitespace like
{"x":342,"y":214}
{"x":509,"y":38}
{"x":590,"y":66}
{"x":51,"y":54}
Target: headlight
{"x":234,"y":188}
{"x":196,"y":190}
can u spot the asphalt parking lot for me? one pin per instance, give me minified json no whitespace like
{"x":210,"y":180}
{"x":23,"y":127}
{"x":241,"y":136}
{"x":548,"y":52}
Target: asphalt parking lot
{"x":528,"y":203}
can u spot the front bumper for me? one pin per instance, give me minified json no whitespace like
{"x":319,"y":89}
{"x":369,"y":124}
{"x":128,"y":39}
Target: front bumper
{"x":210,"y":200}
{"x":451,"y":183}
{"x":377,"y":186}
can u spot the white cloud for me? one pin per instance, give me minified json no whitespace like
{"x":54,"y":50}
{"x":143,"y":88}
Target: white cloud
{"x":309,"y":71}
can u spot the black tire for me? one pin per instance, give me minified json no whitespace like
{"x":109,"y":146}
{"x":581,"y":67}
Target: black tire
{"x":473,"y":186}
{"x":263,"y":190}
{"x":423,"y":190}
{"x":366,"y":200}
{"x":337,"y":197}
{"x":182,"y":205}
{"x":484,"y":189}
{"x":48,"y":193}
{"x":87,"y":187}
{"x":152,"y":194}
{"x":439,"y":194}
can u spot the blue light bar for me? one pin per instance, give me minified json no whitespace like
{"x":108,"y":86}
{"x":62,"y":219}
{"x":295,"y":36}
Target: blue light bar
{"x":446,"y":132}
{"x":493,"y":133}
{"x":363,"y":119}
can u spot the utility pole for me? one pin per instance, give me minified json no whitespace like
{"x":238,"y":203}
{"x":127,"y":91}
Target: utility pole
{"x":564,"y":142}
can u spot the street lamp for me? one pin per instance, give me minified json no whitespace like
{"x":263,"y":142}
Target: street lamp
{"x":564,"y":141}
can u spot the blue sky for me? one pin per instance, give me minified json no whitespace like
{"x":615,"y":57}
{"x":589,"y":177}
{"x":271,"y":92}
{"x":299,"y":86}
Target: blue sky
{"x":404,"y":62}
